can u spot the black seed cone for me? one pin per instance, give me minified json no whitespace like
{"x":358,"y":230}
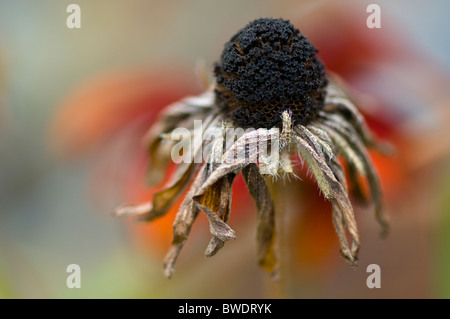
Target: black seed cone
{"x":266,"y":68}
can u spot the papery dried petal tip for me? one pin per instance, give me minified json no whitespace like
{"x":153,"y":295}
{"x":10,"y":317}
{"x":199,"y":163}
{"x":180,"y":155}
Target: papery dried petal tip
{"x":133,"y":210}
{"x":215,"y":244}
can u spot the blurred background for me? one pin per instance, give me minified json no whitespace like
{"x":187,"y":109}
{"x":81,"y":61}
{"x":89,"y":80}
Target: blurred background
{"x":75,"y":104}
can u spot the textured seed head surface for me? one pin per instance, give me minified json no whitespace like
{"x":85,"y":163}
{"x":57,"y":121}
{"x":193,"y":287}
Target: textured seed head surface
{"x":266,"y":68}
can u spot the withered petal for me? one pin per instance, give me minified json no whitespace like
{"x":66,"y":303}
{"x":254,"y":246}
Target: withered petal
{"x":183,"y":222}
{"x":162,"y":200}
{"x":337,"y":101}
{"x":346,"y":150}
{"x":332,"y":189}
{"x":338,"y":217}
{"x":339,"y":226}
{"x":266,"y":233}
{"x":208,"y":197}
{"x":347,"y":132}
{"x":253,"y":146}
{"x":217,"y":227}
{"x":355,"y":164}
{"x":215,"y":243}
{"x":215,"y":176}
{"x":179,"y":114}
{"x":187,"y":109}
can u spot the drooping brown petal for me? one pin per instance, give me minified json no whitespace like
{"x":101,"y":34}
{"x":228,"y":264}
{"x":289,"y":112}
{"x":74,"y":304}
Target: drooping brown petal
{"x":260,"y":145}
{"x":337,"y":100}
{"x":266,"y":218}
{"x":219,"y":173}
{"x":338,"y":218}
{"x":182,"y":225}
{"x":346,"y":150}
{"x":332,"y":189}
{"x":217,"y":226}
{"x":328,"y":148}
{"x":242,"y":152}
{"x":315,"y":162}
{"x":207,"y":198}
{"x":162,"y":200}
{"x":321,"y":146}
{"x":215,"y":243}
{"x":217,"y":198}
{"x":188,"y":108}
{"x":339,"y":226}
{"x":179,"y":114}
{"x":323,"y":135}
{"x":347,"y":132}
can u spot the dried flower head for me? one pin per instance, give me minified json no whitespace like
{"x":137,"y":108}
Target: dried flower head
{"x":269,"y":82}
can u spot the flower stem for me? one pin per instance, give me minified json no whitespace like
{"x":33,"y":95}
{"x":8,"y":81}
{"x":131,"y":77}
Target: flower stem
{"x":284,"y":212}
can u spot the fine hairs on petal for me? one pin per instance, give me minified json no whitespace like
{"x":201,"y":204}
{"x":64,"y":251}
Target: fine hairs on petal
{"x":332,"y":189}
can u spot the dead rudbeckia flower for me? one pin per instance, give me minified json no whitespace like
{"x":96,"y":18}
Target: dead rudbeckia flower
{"x":272,"y":99}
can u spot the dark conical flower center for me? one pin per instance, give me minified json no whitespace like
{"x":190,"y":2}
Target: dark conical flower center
{"x":265,"y":69}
